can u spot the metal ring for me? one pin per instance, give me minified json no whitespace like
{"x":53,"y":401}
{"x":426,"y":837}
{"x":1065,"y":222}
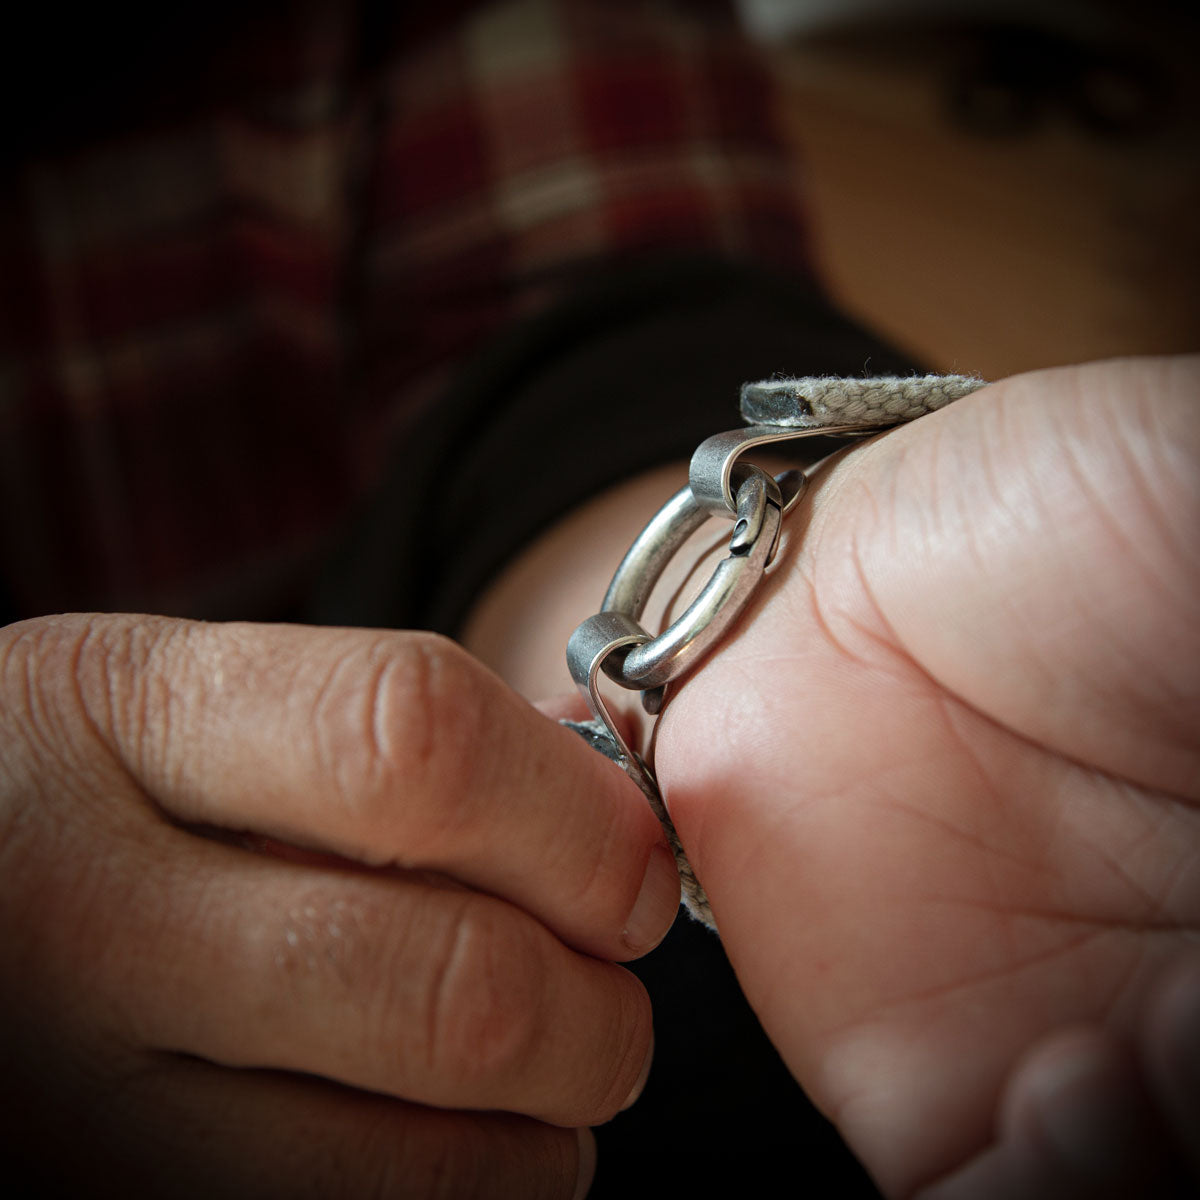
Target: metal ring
{"x":676,"y":650}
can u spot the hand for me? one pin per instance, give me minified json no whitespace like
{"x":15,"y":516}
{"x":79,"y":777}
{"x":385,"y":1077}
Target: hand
{"x":293,"y":912}
{"x":941,"y":786}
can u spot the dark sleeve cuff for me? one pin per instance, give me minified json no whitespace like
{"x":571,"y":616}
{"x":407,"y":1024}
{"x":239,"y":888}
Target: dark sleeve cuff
{"x":637,"y":367}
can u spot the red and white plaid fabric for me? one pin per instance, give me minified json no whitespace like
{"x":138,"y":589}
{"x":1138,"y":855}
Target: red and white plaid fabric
{"x":214,"y":325}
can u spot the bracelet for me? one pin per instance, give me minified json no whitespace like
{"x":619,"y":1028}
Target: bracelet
{"x":614,"y":643}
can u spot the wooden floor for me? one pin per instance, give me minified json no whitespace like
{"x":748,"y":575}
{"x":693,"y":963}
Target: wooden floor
{"x":995,"y":254}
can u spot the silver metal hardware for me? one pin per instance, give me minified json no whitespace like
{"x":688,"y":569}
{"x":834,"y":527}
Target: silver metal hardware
{"x":713,"y":473}
{"x":614,"y":644}
{"x":679,"y":647}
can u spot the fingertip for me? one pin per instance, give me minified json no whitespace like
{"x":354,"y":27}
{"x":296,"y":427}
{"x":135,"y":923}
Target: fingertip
{"x":1079,"y":1108}
{"x":1175,"y":1021}
{"x":1172,"y":1048}
{"x":640,"y":1085}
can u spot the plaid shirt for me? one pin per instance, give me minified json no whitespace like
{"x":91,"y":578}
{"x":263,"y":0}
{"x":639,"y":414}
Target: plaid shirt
{"x":217,"y":321}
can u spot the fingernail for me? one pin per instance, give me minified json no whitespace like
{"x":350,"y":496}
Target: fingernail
{"x":656,"y":905}
{"x":639,"y":1087}
{"x":587,"y":1163}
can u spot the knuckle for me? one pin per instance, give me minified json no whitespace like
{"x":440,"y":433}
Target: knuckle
{"x":484,"y":1005}
{"x":411,"y":718}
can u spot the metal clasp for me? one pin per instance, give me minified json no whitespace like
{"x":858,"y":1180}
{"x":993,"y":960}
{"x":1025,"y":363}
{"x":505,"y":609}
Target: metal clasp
{"x":614,"y":640}
{"x":758,"y":513}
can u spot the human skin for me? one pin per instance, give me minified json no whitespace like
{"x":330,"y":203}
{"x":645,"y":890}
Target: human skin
{"x":941,"y":783}
{"x":256,"y":936}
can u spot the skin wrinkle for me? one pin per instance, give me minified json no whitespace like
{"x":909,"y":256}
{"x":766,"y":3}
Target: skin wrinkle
{"x":889,"y":1009}
{"x":18,"y":817}
{"x":957,"y":832}
{"x":954,"y":714}
{"x":326,"y":720}
{"x":1057,"y":951}
{"x":443,"y":757}
{"x":16,"y":660}
{"x":383,"y":718}
{"x":1154,"y":904}
{"x":898,"y":645}
{"x":853,"y":1028}
{"x":1187,"y":871}
{"x":591,"y":879}
{"x":89,"y":769}
{"x":622,"y":1077}
{"x":417,"y":751}
{"x":343,"y":718}
{"x":1179,"y":459}
{"x":817,"y":610}
{"x":435,"y":1001}
{"x":123,"y":726}
{"x":1140,"y":477}
{"x":951,"y":707}
{"x":1060,"y":916}
{"x":164,"y":668}
{"x":815,"y":552}
{"x":1112,"y":519}
{"x":485,"y":1013}
{"x":985,"y":447}
{"x":78,"y":656}
{"x":129,"y":721}
{"x":944,"y":455}
{"x":1115,"y":864}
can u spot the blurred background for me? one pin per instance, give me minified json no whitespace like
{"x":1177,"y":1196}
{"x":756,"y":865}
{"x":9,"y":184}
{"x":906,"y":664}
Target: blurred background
{"x":248,"y":251}
{"x":258,"y":261}
{"x":999,"y":185}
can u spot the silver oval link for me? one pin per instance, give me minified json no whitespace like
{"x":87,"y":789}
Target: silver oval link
{"x":647,"y":558}
{"x":678,"y":648}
